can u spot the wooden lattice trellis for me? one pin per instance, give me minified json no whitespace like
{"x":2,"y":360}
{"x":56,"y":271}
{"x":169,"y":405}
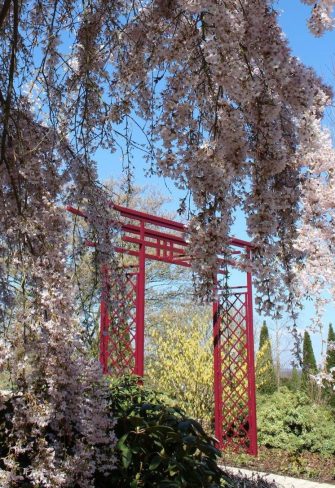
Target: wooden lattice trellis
{"x":147,"y":237}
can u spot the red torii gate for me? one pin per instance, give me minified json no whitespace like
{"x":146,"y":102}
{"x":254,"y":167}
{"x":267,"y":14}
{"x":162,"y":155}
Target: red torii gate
{"x":122,"y":327}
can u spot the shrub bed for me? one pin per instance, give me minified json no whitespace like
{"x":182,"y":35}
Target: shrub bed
{"x":158,"y":445}
{"x":306,"y":465}
{"x":292,"y":422}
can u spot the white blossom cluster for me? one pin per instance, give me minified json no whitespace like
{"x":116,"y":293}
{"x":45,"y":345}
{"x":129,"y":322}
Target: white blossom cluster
{"x":322,"y":16}
{"x":60,"y":415}
{"x":323,"y":378}
{"x":227,"y":111}
{"x":237,"y":120}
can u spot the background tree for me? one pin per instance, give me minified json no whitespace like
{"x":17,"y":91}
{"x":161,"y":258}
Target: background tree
{"x":308,"y":365}
{"x":330,"y":367}
{"x":281,"y":348}
{"x":330,"y":359}
{"x":264,"y":335}
{"x":309,"y":362}
{"x":265,"y":372}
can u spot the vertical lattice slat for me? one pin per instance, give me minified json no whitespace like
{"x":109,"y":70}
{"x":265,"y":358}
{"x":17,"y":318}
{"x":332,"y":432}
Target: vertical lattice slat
{"x":119,"y":326}
{"x":235,"y":424}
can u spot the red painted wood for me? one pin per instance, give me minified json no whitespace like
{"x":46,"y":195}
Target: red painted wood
{"x":122,"y":326}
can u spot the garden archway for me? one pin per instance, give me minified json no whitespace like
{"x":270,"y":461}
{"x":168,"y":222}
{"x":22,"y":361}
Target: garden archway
{"x":122,"y":324}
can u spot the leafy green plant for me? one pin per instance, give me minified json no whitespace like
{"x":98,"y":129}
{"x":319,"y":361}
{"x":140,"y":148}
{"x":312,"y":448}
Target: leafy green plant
{"x":295,"y":380}
{"x":308,"y":362}
{"x":330,"y":360}
{"x":329,"y":393}
{"x":290,"y":421}
{"x":158,"y":445}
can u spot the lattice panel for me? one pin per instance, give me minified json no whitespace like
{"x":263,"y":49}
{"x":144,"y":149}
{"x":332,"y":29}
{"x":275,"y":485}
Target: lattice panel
{"x":148,"y":237}
{"x":119,"y":326}
{"x":237,"y":426}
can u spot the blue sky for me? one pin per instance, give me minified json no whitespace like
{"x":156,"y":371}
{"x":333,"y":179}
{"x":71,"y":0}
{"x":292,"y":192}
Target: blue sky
{"x":318,"y":53}
{"x":315,"y":52}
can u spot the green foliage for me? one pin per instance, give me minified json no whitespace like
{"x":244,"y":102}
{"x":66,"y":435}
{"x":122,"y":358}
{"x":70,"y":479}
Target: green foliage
{"x":330,"y":360}
{"x":158,"y":445}
{"x":290,"y":421}
{"x":265,"y":372}
{"x":308,"y":362}
{"x":264,"y":335}
{"x":295,"y":380}
{"x":329,"y":393}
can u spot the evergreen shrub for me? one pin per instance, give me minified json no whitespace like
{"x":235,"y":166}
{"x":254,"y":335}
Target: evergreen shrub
{"x":158,"y":445}
{"x":308,"y":361}
{"x":329,"y":393}
{"x":330,"y":360}
{"x":290,"y":421}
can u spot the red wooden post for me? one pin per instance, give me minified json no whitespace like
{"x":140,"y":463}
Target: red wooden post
{"x":217,"y":373}
{"x":122,"y":350}
{"x":140,"y":305}
{"x":251,"y":367}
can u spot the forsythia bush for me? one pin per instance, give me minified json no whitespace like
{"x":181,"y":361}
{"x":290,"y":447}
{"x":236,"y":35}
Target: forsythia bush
{"x":180,"y":359}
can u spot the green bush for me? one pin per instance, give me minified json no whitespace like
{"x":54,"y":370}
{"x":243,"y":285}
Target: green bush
{"x":290,"y":421}
{"x":158,"y":445}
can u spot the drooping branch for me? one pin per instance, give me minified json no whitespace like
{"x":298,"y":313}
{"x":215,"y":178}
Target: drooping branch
{"x":4,"y":12}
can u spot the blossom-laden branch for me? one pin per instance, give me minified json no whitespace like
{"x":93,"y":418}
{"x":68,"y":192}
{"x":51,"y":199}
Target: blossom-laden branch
{"x":228,"y":113}
{"x":238,"y":122}
{"x":60,"y":420}
{"x":321,"y":18}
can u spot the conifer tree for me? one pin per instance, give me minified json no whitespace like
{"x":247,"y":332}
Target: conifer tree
{"x":264,"y":335}
{"x":330,"y":360}
{"x":329,"y":393}
{"x":265,"y":372}
{"x":308,"y":361}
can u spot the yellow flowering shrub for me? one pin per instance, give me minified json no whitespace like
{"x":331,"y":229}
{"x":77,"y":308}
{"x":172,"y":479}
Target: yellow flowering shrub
{"x":265,"y":373}
{"x":180,"y":359}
